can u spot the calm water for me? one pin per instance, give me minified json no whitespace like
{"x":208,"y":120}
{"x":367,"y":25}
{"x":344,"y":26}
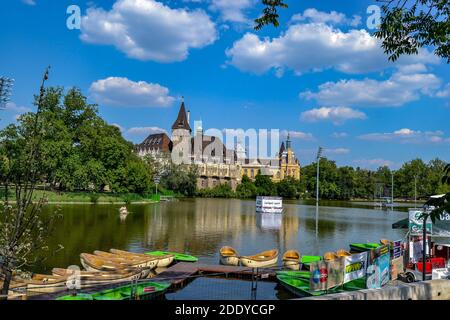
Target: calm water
{"x":202,"y":226}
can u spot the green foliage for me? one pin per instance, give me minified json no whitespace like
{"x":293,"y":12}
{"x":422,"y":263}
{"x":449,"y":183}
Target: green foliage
{"x":409,"y":25}
{"x":181,"y":179}
{"x":288,"y":188}
{"x":246,"y":189}
{"x":265,"y":186}
{"x":270,"y":13}
{"x":78,"y":149}
{"x":220,"y":191}
{"x":94,"y":196}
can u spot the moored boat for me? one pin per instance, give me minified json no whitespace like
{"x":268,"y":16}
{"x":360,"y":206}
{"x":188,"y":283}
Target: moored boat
{"x":143,"y":290}
{"x":343,"y":253}
{"x":305,"y":261}
{"x":96,"y":278}
{"x":46,"y":283}
{"x":163,"y":261}
{"x":300,"y":286}
{"x":136,"y":262}
{"x":329,"y":256}
{"x":96,"y":263}
{"x":263,"y":259}
{"x":291,"y":259}
{"x":229,"y":256}
{"x":362,"y":247}
{"x":295,"y":274}
{"x":181,"y":257}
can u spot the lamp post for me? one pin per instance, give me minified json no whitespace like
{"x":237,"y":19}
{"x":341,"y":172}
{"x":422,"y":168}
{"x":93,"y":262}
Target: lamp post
{"x":319,"y":155}
{"x":392,"y":189}
{"x":415,"y":192}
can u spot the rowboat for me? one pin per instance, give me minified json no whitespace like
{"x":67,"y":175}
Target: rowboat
{"x":46,"y":284}
{"x":229,"y":256}
{"x":343,"y":253}
{"x":362,"y":247}
{"x":329,"y":256}
{"x":90,"y":279}
{"x":136,"y":262}
{"x":386,"y":242}
{"x":295,"y":274}
{"x":263,"y":259}
{"x":306,"y":261}
{"x":162,"y":260}
{"x":291,"y":259}
{"x":144,"y":290}
{"x":177,"y":256}
{"x":300,"y":286}
{"x":95,"y":263}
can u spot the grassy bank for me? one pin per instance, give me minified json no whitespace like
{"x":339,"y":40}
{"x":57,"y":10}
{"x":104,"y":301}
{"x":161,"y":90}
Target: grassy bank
{"x":90,"y":197}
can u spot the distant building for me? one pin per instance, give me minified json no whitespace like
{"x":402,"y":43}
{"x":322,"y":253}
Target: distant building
{"x":215,"y":163}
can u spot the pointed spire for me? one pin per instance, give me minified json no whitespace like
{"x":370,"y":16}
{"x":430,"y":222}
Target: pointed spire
{"x":282,"y":148}
{"x":182,"y":121}
{"x":288,"y":141}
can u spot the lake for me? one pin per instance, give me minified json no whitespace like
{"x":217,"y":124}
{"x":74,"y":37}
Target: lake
{"x":202,"y":226}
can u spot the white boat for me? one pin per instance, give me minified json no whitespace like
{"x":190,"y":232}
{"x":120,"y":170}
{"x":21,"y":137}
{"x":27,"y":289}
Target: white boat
{"x":162,"y":261}
{"x":269,"y":204}
{"x":263,"y":259}
{"x":229,"y":256}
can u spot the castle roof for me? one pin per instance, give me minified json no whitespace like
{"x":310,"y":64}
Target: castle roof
{"x":157,"y":141}
{"x":282,"y":148}
{"x":181,"y":122}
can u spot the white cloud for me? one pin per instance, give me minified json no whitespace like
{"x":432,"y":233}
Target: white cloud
{"x":29,"y":2}
{"x":298,"y":135}
{"x":145,"y":130}
{"x":116,"y":91}
{"x":337,"y":115}
{"x":12,"y":107}
{"x":122,"y":129}
{"x":333,"y":17}
{"x":445,"y":92}
{"x":406,"y":135}
{"x":398,"y":90}
{"x":148,"y":30}
{"x":314,"y":47}
{"x":338,"y":135}
{"x":336,"y":151}
{"x":232,"y":10}
{"x":373,"y":163}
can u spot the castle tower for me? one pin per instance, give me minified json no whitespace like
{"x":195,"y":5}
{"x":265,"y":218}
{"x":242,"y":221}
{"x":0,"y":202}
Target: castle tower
{"x":181,"y":136}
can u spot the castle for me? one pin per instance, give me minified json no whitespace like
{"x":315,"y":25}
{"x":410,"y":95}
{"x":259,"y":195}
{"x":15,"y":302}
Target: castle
{"x":215,"y":163}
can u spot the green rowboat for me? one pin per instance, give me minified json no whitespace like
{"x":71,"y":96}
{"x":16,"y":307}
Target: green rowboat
{"x":144,"y":290}
{"x":310,"y":259}
{"x":361,"y":247}
{"x":177,"y":256}
{"x":295,"y":274}
{"x":300,"y":286}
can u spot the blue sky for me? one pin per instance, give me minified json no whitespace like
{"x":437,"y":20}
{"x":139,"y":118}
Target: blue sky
{"x":320,"y":75}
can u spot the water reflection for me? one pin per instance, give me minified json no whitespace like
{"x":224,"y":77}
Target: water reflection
{"x":202,"y":226}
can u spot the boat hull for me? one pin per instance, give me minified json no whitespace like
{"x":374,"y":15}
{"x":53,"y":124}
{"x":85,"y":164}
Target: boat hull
{"x":251,"y":263}
{"x":291,"y":264}
{"x":229,"y":260}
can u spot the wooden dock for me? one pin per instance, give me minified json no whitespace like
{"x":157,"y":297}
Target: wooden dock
{"x":183,"y":272}
{"x":180,"y":274}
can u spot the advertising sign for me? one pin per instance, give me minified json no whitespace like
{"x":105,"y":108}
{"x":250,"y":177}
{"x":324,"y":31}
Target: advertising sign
{"x":396,"y":267}
{"x":326,"y":274}
{"x":416,"y":223}
{"x":378,"y":269}
{"x":441,"y":227}
{"x":355,"y":267}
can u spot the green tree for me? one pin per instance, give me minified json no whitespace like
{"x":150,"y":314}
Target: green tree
{"x":246,"y":189}
{"x":270,"y":13}
{"x":265,"y":186}
{"x":409,"y":25}
{"x":287,"y":188}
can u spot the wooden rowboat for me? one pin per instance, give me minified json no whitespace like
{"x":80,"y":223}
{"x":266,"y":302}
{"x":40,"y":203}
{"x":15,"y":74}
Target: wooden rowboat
{"x":291,"y":259}
{"x":343,"y":253}
{"x":47,"y":284}
{"x":263,"y":259}
{"x":97,"y":278}
{"x":329,"y":256}
{"x":229,"y":256}
{"x":141,"y":291}
{"x":144,"y":262}
{"x":386,"y":242}
{"x":162,"y":260}
{"x":96,"y":263}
